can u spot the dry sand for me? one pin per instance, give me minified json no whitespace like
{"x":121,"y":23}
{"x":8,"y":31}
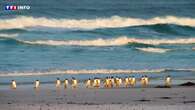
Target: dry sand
{"x":50,"y":98}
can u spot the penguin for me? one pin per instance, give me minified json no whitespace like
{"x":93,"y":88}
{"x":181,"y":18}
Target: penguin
{"x":116,"y":82}
{"x":168,"y":81}
{"x":120,"y":81}
{"x":146,"y":80}
{"x":96,"y":82}
{"x":126,"y":81}
{"x":13,"y":84}
{"x":65,"y":83}
{"x":142,"y":81}
{"x":88,"y":83}
{"x":74,"y":83}
{"x":133,"y":82}
{"x":112,"y":81}
{"x":129,"y":80}
{"x":110,"y":84}
{"x":106,"y":82}
{"x":58,"y":83}
{"x":37,"y":84}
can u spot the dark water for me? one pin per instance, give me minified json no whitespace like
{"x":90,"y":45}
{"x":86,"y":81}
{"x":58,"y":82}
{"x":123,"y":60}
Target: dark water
{"x":55,"y":36}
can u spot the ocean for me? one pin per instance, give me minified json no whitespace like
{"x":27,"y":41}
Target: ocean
{"x":97,"y":38}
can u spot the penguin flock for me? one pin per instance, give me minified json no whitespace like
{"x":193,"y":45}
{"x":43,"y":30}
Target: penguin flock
{"x":108,"y":82}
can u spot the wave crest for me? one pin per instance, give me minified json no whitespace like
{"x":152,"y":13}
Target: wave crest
{"x":112,"y":22}
{"x":153,"y":50}
{"x":8,"y":35}
{"x":112,"y":42}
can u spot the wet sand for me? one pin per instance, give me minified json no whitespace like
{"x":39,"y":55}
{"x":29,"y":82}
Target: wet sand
{"x":50,"y":98}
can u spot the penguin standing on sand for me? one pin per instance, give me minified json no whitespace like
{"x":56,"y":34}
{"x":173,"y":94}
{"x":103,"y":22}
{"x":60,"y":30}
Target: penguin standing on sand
{"x":133,"y":82}
{"x":65,"y":83}
{"x":13,"y":84}
{"x":96,"y":82}
{"x":168,"y":81}
{"x":120,"y":81}
{"x":58,"y":83}
{"x":110,"y":84}
{"x":146,"y":80}
{"x":37,"y":84}
{"x":143,"y":84}
{"x":106,"y":82}
{"x":112,"y":81}
{"x":126,"y":82}
{"x":129,"y":80}
{"x":88,"y":83}
{"x":74,"y":83}
{"x":116,"y":81}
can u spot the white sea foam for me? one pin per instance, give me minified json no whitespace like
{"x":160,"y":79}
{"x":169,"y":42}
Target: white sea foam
{"x":97,"y":71}
{"x":8,"y":35}
{"x":112,"y":22}
{"x":153,"y":50}
{"x":85,"y":71}
{"x":111,"y":42}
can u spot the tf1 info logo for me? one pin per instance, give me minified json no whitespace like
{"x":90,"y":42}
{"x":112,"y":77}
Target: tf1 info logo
{"x":17,"y":7}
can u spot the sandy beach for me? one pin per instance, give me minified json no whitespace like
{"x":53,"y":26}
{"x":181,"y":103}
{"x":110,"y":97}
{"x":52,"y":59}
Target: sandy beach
{"x":50,"y":98}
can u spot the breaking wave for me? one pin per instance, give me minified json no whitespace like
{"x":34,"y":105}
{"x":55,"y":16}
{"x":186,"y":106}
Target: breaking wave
{"x":154,"y":50}
{"x":142,"y":44}
{"x":111,"y":42}
{"x":96,"y":71}
{"x":112,"y":22}
{"x":8,"y":35}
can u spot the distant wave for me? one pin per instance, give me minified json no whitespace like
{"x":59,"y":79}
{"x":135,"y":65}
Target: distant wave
{"x":111,"y":42}
{"x":96,"y":71}
{"x":8,"y":35}
{"x":169,"y":29}
{"x":153,"y":50}
{"x":112,"y":22}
